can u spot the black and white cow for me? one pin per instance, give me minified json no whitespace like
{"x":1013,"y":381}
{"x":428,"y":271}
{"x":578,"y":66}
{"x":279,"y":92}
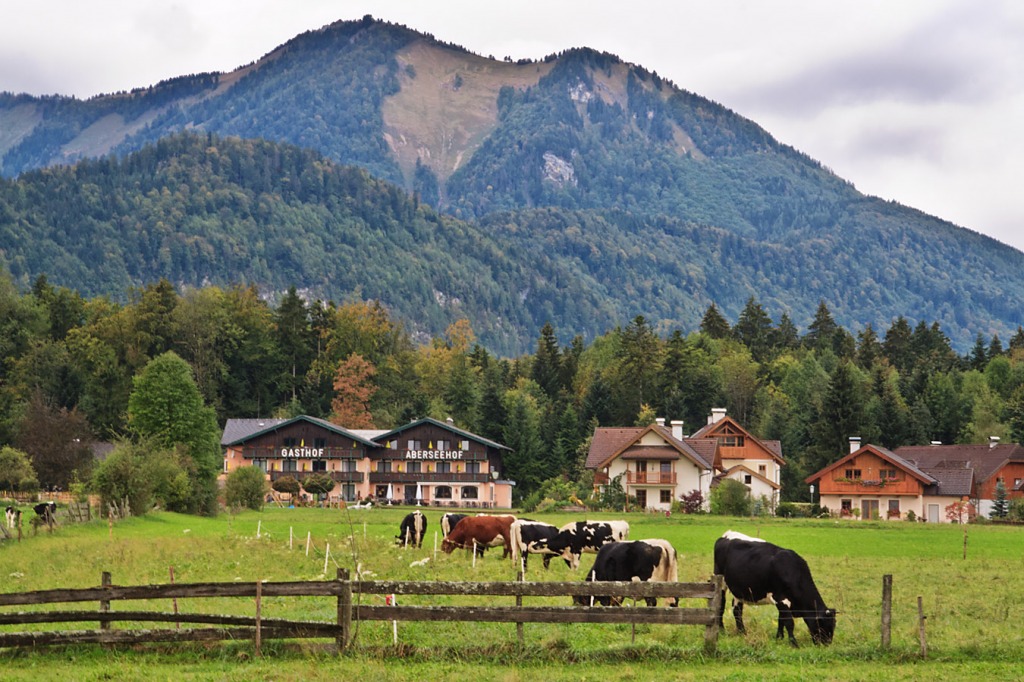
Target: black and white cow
{"x":583,"y":536}
{"x":525,"y":536}
{"x":641,"y":560}
{"x":47,"y":511}
{"x":449,"y":521}
{"x":414,"y":527}
{"x":758,"y":572}
{"x":13,"y":517}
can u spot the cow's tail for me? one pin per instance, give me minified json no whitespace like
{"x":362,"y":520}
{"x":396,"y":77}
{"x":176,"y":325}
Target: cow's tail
{"x":516,"y":533}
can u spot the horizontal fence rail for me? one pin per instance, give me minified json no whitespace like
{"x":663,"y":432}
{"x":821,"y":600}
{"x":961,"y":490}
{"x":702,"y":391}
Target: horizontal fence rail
{"x":349,"y":609}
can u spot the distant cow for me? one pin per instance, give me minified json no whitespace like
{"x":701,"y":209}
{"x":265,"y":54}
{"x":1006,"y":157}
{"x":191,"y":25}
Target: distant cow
{"x":583,"y":536}
{"x":12,"y":516}
{"x":477,"y":531}
{"x":758,"y":572}
{"x":47,"y":511}
{"x":449,"y":521}
{"x":414,"y":527}
{"x":525,"y":536}
{"x":643,"y":560}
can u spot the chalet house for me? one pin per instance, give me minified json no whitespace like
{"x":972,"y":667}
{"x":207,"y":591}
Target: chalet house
{"x":984,"y":465}
{"x":742,"y":457}
{"x":655,"y":464}
{"x":423,"y":462}
{"x":871,"y":482}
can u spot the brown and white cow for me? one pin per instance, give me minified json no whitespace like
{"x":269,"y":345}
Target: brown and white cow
{"x":480,"y":532}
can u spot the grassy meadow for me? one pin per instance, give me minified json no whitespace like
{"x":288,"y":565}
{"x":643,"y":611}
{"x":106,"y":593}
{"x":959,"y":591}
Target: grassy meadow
{"x":973,"y":605}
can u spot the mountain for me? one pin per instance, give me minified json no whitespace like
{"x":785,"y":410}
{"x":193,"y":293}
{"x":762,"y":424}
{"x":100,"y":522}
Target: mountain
{"x":597,"y":189}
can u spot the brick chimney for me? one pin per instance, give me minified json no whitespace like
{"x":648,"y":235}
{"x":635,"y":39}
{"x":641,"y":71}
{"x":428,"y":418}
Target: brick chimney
{"x":677,"y":429}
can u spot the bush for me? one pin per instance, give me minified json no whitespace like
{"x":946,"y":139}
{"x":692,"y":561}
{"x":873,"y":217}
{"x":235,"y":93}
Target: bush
{"x":731,"y":498}
{"x":788,"y":510}
{"x":286,"y":484}
{"x":692,"y":502}
{"x":318,"y":484}
{"x":246,"y":487}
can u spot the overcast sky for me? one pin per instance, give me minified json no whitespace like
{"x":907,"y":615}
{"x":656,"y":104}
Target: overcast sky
{"x":919,"y":101}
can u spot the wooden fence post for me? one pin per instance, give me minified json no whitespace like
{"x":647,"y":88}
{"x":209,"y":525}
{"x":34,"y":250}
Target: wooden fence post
{"x":886,"y":610}
{"x":344,"y":610}
{"x":920,"y":628}
{"x":259,"y":615}
{"x":105,"y":581}
{"x":519,"y":603}
{"x":715,"y":606}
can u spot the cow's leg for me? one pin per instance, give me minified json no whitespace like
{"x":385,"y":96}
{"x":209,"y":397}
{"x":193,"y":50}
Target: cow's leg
{"x":737,"y":613}
{"x":547,"y":561}
{"x":785,"y":623}
{"x":721,"y":611}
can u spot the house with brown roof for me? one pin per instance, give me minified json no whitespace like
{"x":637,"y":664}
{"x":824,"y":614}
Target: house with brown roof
{"x":743,"y":457}
{"x":423,"y":462}
{"x":872,"y":482}
{"x":655,"y":464}
{"x":984,"y":465}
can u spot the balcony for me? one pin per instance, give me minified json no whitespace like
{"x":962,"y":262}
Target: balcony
{"x":336,"y":476}
{"x":651,"y":477}
{"x":412,"y":477}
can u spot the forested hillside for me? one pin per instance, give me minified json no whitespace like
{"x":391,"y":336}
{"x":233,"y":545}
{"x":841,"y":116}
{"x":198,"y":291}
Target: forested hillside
{"x":69,"y":366}
{"x":591,"y":189}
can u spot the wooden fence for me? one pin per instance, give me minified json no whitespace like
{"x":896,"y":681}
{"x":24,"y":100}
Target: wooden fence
{"x":349,"y":609}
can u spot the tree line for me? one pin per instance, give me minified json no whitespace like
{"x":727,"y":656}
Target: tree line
{"x":72,"y":369}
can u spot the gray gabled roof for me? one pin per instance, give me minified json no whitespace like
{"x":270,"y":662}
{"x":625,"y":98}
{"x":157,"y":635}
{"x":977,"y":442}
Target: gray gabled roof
{"x":237,"y":431}
{"x":450,"y":427}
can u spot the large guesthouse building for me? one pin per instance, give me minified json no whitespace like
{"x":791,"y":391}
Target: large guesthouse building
{"x":424,"y":462}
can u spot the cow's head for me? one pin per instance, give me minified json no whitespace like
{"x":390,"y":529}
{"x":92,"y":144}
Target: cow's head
{"x":822,"y":626}
{"x":447,"y":546}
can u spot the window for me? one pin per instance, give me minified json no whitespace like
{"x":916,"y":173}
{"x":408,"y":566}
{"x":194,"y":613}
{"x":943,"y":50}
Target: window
{"x":464,"y":445}
{"x":319,"y":465}
{"x":392,"y":445}
{"x":853,"y":474}
{"x":762,"y":469}
{"x":260,"y":464}
{"x":846,"y":505}
{"x":1017,"y":482}
{"x":443,"y":444}
{"x":289,"y":465}
{"x":413,"y":467}
{"x":413,"y":445}
{"x":666,"y":497}
{"x":319,"y":442}
{"x":472,"y":467}
{"x":290,"y":442}
{"x":443,"y":492}
{"x":348,"y":465}
{"x":748,"y":479}
{"x":444,"y":467}
{"x":887,"y":473}
{"x":348,"y":492}
{"x":384,"y":465}
{"x":469,"y":492}
{"x":731,"y":441}
{"x":894,"y":508}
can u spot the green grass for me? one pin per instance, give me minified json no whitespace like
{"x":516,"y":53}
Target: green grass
{"x":973,"y":605}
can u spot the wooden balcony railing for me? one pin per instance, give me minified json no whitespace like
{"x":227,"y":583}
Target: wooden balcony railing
{"x":336,"y":476}
{"x":651,"y":477}
{"x":412,"y":477}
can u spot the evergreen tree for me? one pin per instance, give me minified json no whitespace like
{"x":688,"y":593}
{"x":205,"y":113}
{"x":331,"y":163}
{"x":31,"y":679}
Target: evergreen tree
{"x":1017,"y":340}
{"x":714,"y":325}
{"x":1001,"y":505}
{"x":785,"y":336}
{"x":821,"y":330}
{"x":897,"y":345}
{"x":547,"y":370}
{"x":754,"y":330}
{"x":842,"y":416}
{"x":995,"y":348}
{"x":979,"y":355}
{"x":295,"y":343}
{"x":868,"y":347}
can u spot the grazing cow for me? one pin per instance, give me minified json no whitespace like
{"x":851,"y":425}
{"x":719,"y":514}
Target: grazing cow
{"x":449,"y":521}
{"x":758,"y":572}
{"x":583,"y":536}
{"x":414,"y":527}
{"x":643,"y":560}
{"x":525,"y":536}
{"x":13,"y":517}
{"x":477,"y":531}
{"x":47,"y":511}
